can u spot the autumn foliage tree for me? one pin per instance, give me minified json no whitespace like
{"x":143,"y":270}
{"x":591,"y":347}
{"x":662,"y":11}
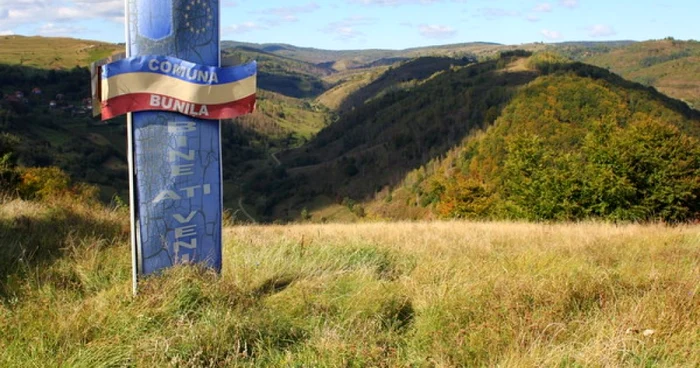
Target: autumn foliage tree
{"x":575,"y":144}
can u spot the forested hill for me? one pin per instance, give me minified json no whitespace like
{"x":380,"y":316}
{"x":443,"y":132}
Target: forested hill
{"x":518,"y":137}
{"x":445,"y":131}
{"x":283,"y":75}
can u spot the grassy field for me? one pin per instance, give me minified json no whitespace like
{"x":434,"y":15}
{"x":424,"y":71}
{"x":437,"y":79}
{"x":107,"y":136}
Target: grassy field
{"x":52,"y":53}
{"x":442,"y":294}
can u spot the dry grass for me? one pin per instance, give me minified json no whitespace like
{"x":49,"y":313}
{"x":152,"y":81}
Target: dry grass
{"x":441,"y":294}
{"x":529,"y":294}
{"x":52,"y":53}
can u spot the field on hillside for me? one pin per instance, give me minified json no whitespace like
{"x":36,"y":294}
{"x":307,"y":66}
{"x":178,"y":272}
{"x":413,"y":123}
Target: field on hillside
{"x":53,"y":53}
{"x":438,"y":294}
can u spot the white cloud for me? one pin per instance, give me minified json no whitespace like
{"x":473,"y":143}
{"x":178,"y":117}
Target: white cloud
{"x":401,"y":2}
{"x":101,"y":9}
{"x":242,"y":28}
{"x":306,"y":8}
{"x":26,"y":3}
{"x":6,"y":33}
{"x":346,"y":29}
{"x":30,"y":12}
{"x":287,"y":14}
{"x":551,"y":35}
{"x":543,"y":7}
{"x":568,"y":3}
{"x":53,"y":30}
{"x":498,"y":12}
{"x":532,"y":18}
{"x":392,"y":2}
{"x":601,"y":30}
{"x":436,"y":31}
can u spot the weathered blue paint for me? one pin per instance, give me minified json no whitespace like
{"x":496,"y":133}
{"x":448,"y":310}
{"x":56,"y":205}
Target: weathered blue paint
{"x":176,"y":160}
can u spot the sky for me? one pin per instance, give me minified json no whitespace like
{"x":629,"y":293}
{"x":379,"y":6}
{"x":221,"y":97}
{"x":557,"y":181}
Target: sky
{"x":382,"y":24}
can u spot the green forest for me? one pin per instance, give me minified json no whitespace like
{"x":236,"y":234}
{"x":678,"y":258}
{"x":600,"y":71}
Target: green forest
{"x":571,"y":147}
{"x":520,"y":137}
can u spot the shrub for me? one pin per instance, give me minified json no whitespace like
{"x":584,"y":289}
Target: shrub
{"x":43,"y":182}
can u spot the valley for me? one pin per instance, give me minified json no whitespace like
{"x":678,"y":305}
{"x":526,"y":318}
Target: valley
{"x":347,"y":135}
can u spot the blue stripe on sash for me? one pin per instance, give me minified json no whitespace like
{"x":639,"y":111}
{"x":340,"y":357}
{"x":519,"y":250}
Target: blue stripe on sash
{"x":180,"y":69}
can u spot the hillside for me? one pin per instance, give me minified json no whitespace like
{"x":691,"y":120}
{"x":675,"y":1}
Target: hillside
{"x":289,"y":77}
{"x":369,"y":152}
{"x":402,"y":77}
{"x":44,"y":109}
{"x":52,"y":53}
{"x":346,"y":83}
{"x":671,"y":66}
{"x":571,"y":147}
{"x":348,"y":126}
{"x":48,"y":114}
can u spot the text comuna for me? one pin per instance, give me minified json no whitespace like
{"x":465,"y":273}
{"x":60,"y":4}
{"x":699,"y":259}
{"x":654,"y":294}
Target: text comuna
{"x":189,"y":73}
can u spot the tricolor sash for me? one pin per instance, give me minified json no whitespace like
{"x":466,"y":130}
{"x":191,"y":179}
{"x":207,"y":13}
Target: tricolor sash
{"x":165,"y":83}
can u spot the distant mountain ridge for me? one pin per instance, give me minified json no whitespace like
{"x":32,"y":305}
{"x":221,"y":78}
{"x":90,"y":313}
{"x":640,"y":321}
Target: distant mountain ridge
{"x":357,"y":58}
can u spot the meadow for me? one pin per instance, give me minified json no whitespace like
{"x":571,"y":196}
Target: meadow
{"x":408,"y":294}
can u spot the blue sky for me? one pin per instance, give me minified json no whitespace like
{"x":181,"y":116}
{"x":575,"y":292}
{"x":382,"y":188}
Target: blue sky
{"x":389,"y":24}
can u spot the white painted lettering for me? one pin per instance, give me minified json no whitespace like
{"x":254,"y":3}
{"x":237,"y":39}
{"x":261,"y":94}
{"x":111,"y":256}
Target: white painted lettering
{"x":179,"y":70}
{"x":181,"y":127}
{"x":166,"y":66}
{"x":191,"y":245}
{"x":192,"y":74}
{"x":173,"y":155}
{"x":166,"y":103}
{"x":180,"y":106}
{"x":183,"y":107}
{"x":182,"y":219}
{"x":185,"y":231}
{"x":182,"y":170}
{"x":190,"y":190}
{"x":166,"y":194}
